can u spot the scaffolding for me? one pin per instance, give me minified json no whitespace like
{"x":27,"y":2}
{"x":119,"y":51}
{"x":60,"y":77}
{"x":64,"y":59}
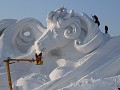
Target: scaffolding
{"x":9,"y":61}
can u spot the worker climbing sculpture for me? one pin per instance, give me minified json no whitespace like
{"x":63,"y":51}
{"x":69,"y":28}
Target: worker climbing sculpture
{"x":96,"y":20}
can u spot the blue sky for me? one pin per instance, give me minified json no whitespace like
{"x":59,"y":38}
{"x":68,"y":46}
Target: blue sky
{"x":107,"y":10}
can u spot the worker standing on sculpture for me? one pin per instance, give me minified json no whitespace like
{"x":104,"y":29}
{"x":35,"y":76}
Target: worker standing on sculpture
{"x":106,"y":29}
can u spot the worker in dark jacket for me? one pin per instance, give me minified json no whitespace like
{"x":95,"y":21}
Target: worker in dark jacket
{"x":95,"y":19}
{"x":38,"y":57}
{"x":106,"y":29}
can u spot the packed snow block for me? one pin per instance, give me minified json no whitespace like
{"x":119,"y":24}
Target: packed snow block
{"x":31,"y":81}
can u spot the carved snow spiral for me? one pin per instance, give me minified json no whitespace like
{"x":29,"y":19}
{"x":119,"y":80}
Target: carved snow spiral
{"x":25,"y":38}
{"x":20,"y":36}
{"x":72,"y":31}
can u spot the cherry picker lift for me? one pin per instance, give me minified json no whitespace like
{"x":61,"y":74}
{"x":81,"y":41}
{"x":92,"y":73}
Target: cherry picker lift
{"x":9,"y":61}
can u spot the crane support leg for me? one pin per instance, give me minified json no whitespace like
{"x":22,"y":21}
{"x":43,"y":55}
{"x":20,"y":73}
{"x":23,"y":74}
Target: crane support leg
{"x":9,"y":75}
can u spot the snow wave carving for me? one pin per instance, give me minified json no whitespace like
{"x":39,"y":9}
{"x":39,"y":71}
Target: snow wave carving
{"x":20,"y":36}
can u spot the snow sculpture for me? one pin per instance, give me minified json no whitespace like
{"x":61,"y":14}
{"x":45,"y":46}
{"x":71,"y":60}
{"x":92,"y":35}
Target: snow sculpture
{"x":64,"y":28}
{"x":73,"y":46}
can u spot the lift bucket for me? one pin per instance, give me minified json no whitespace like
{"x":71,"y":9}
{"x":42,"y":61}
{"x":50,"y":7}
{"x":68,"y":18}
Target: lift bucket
{"x":39,"y":62}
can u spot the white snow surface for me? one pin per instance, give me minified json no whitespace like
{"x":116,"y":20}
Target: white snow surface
{"x":86,"y":60}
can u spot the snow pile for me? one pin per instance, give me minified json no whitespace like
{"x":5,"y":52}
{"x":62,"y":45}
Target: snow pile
{"x":92,"y":84}
{"x":64,"y":67}
{"x":31,"y":81}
